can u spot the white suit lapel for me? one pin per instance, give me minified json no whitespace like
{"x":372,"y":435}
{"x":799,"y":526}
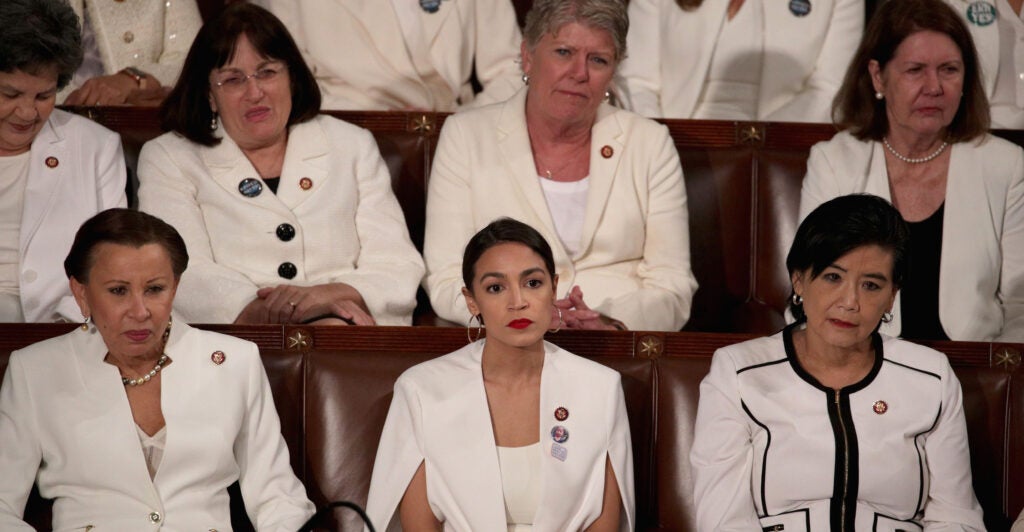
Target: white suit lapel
{"x":45,"y":180}
{"x":962,"y":250}
{"x":605,"y":153}
{"x":440,"y":44}
{"x":709,"y":25}
{"x":474,"y":474}
{"x":111,"y":413}
{"x":514,"y":143}
{"x":305,"y":158}
{"x":391,"y":44}
{"x":228,"y":167}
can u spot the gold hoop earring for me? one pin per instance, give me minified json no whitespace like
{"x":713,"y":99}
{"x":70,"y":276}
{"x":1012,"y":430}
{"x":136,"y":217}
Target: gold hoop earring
{"x":479,"y":328}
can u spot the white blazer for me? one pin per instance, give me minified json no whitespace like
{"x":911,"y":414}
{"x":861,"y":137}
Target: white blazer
{"x":65,"y":424}
{"x":439,"y":417}
{"x":981,"y":276}
{"x":804,"y":58}
{"x":986,"y":41}
{"x":364,"y":60}
{"x":347,"y":225}
{"x":151,"y":36}
{"x":87,"y":176}
{"x":634,"y":258}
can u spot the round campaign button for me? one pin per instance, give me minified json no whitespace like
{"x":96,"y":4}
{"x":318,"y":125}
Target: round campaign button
{"x":559,"y":433}
{"x":800,"y":8}
{"x":250,"y":187}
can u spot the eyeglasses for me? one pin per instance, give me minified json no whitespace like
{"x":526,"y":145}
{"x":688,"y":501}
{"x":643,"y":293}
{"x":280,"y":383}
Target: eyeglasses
{"x":235,"y":81}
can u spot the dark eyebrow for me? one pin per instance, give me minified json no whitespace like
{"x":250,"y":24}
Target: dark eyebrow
{"x":492,"y":274}
{"x":530,"y":271}
{"x":879,"y":276}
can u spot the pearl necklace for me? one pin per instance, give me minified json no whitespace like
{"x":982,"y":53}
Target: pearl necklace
{"x":912,"y":160}
{"x":146,"y":378}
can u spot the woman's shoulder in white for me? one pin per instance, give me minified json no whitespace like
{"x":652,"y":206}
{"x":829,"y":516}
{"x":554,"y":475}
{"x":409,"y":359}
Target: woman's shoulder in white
{"x":336,"y":127}
{"x":915,"y":356}
{"x":88,"y":129}
{"x":754,"y":352}
{"x":583,"y":369}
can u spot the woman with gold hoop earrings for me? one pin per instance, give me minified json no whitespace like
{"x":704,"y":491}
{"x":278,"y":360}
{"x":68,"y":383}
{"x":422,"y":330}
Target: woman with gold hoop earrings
{"x":114,"y":422}
{"x":915,"y":123}
{"x":549,"y":443}
{"x":829,"y":424}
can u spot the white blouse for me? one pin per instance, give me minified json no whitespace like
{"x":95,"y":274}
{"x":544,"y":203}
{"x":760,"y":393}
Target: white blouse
{"x":520,"y":483}
{"x":13,"y":178}
{"x":567,"y":201}
{"x":152,"y":448}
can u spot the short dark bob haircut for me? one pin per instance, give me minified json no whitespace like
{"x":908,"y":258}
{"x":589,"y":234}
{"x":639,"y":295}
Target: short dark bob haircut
{"x":126,"y":227}
{"x":187,"y":108}
{"x":842,"y":225}
{"x":503,"y":231}
{"x":38,"y":35}
{"x":855,"y":107}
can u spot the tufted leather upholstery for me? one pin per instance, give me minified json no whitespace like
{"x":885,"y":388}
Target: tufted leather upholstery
{"x":333,"y":386}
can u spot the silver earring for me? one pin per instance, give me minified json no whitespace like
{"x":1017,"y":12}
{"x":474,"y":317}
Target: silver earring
{"x":560,"y":322}
{"x":526,"y":79}
{"x":887,"y":317}
{"x":85,"y":324}
{"x":479,"y":327}
{"x":879,"y":95}
{"x":213,"y":122}
{"x":798,"y":300}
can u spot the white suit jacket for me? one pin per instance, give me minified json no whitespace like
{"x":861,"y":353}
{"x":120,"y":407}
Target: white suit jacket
{"x":805,"y":57}
{"x":439,"y":417}
{"x":65,"y":423}
{"x":348,"y":226}
{"x":981,"y":276}
{"x":634,"y":263}
{"x":151,"y":36}
{"x":365,"y":61}
{"x":768,"y":443}
{"x":986,"y":41}
{"x":88,"y":175}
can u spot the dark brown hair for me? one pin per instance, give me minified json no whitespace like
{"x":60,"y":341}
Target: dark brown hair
{"x":187,"y":108}
{"x":855,"y":107}
{"x":126,"y":227}
{"x":501,"y":231}
{"x":39,"y":34}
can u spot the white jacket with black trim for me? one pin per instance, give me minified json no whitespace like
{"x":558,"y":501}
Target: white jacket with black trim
{"x":774,"y":447}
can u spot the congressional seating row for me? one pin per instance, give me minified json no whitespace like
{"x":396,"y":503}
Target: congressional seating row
{"x":742,"y":181}
{"x":333,"y":386}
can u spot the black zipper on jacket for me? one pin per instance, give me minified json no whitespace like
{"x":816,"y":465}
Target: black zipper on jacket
{"x":843,"y":506}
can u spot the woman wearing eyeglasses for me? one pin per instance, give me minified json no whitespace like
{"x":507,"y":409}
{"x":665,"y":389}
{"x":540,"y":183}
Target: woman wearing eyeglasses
{"x":288,"y":216}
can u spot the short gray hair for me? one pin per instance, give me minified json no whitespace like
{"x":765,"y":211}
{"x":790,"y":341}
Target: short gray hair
{"x":548,"y":16}
{"x":40,"y":34}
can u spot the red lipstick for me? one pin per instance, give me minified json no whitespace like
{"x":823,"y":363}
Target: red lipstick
{"x":521,"y":323}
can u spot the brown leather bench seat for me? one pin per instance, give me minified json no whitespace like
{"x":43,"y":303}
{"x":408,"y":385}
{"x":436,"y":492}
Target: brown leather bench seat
{"x":333,"y":386}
